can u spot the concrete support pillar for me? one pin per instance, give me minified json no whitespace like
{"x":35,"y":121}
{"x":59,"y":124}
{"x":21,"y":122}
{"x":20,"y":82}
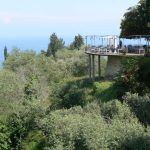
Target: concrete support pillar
{"x":93,"y":67}
{"x":113,"y":66}
{"x":99,"y":67}
{"x":90,"y":66}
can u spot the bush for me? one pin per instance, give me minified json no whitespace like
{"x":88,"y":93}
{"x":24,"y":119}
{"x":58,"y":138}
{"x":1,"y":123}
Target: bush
{"x":67,"y":95}
{"x":75,"y":128}
{"x":105,"y":91}
{"x":86,"y":129}
{"x":127,"y":77}
{"x":134,"y":76}
{"x":4,"y":137}
{"x":18,"y":58}
{"x":11,"y":93}
{"x":115,"y":109}
{"x":140,"y":105}
{"x":22,"y":123}
{"x":35,"y":140}
{"x":144,"y":72}
{"x":93,"y":127}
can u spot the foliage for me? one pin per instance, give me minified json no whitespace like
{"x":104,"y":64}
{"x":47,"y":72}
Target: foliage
{"x":96,"y":126}
{"x":11,"y":93}
{"x":115,"y":110}
{"x":85,"y":128}
{"x":54,"y":45}
{"x":77,"y":43}
{"x":18,"y":58}
{"x":20,"y":124}
{"x":135,"y":21}
{"x":105,"y":91}
{"x":56,"y":107}
{"x":75,"y":62}
{"x":134,"y":76}
{"x":140,"y":106}
{"x":80,"y":91}
{"x":4,"y":137}
{"x":70,"y":93}
{"x":144,"y":72}
{"x":35,"y":140}
{"x":5,"y":53}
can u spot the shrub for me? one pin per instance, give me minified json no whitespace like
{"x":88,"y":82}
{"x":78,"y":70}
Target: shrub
{"x":18,"y":58}
{"x":134,"y":76}
{"x":75,"y":128}
{"x":4,"y":137}
{"x":93,"y":127}
{"x":68,"y":95}
{"x":11,"y":93}
{"x":140,"y":106}
{"x":85,"y":129}
{"x":34,"y":140}
{"x":105,"y":91}
{"x":22,"y":123}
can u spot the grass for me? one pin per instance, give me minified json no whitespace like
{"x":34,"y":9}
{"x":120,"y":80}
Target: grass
{"x":105,"y":91}
{"x":99,"y":90}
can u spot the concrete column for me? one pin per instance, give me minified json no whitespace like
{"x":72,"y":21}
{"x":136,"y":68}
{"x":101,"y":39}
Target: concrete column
{"x":113,"y":66}
{"x":90,"y":67}
{"x":99,"y":67}
{"x":93,"y":67}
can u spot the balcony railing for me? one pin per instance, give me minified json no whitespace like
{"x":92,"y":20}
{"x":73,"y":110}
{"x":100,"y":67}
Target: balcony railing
{"x":139,"y":50}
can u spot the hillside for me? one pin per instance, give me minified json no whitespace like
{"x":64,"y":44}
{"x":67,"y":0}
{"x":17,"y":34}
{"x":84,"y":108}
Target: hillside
{"x":49,"y":103}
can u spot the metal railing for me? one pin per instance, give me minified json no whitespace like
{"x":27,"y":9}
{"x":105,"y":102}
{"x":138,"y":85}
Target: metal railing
{"x":115,"y":51}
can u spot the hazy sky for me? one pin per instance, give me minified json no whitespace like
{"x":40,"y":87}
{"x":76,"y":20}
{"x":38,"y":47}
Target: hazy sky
{"x":39,"y":18}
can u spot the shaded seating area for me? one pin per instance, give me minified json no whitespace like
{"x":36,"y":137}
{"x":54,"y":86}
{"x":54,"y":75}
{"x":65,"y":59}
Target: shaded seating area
{"x":137,"y":49}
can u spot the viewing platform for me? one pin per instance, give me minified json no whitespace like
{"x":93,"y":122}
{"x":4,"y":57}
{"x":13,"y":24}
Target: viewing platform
{"x":114,"y":49}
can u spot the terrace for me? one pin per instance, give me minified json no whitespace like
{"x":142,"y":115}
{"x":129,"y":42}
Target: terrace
{"x":115,"y":49}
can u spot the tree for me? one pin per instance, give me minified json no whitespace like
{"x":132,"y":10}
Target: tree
{"x":5,"y":53}
{"x":54,"y":45}
{"x":148,"y":12}
{"x":78,"y":42}
{"x":135,"y":20}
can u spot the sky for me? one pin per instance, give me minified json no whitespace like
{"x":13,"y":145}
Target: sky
{"x":40,"y":18}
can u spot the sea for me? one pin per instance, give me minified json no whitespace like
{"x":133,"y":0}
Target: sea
{"x":37,"y":44}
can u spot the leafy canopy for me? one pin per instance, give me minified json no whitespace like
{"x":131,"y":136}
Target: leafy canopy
{"x":135,"y":21}
{"x":54,"y":45}
{"x":77,"y":43}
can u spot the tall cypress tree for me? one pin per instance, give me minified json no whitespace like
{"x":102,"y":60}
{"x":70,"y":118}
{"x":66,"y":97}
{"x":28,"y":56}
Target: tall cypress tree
{"x":78,"y":41}
{"x":54,"y":45}
{"x":5,"y":53}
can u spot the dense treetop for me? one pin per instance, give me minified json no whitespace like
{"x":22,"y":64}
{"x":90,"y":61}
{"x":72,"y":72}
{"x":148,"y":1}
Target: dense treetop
{"x":135,"y":21}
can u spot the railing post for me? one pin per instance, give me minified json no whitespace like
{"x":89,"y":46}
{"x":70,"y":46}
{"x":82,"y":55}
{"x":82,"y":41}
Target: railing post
{"x":90,"y":67}
{"x":93,"y":67}
{"x":99,"y":68}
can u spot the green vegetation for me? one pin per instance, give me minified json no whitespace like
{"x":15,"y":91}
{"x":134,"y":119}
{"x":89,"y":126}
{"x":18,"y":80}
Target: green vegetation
{"x":49,"y":103}
{"x":135,"y":21}
{"x":77,"y":43}
{"x":134,"y":76}
{"x":5,"y":53}
{"x":54,"y":45}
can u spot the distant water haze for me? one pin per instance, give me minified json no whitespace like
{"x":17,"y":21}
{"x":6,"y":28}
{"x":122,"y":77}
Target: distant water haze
{"x":36,"y":44}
